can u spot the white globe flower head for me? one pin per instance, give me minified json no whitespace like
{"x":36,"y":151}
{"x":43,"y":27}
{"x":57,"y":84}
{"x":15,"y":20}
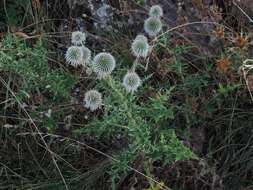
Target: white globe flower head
{"x":103,"y":64}
{"x":152,"y":26}
{"x":92,"y":100}
{"x":78,"y":38}
{"x":141,"y":37}
{"x":74,"y":55}
{"x":88,"y":71}
{"x":156,"y":11}
{"x":86,"y":55}
{"x":140,"y":47}
{"x":131,"y":81}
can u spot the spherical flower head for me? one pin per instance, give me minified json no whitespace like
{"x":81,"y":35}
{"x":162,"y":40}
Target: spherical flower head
{"x":140,"y":47}
{"x":156,"y":11}
{"x":103,"y":64}
{"x":131,"y":82}
{"x":92,"y":100}
{"x":141,"y":37}
{"x":74,"y":55}
{"x":78,"y":38}
{"x":152,"y":26}
{"x":86,"y":55}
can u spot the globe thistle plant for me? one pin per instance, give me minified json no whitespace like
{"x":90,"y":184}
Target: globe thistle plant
{"x":140,"y":46}
{"x":74,"y":55}
{"x":156,"y":11}
{"x":92,"y":100}
{"x":141,"y":37}
{"x":131,"y":81}
{"x":103,"y":64}
{"x":78,"y":38}
{"x":152,"y":26}
{"x":86,"y":55}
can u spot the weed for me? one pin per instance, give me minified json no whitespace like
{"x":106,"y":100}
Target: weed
{"x":140,"y":106}
{"x":31,"y":77}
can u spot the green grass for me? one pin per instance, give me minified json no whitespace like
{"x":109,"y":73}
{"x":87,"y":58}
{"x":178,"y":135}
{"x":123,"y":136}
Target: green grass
{"x":32,"y":80}
{"x":122,"y":142}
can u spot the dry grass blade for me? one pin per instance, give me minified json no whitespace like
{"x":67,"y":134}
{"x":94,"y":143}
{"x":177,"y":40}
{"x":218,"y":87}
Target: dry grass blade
{"x":102,"y":153}
{"x":31,"y":120}
{"x":245,"y":14}
{"x":188,"y":24}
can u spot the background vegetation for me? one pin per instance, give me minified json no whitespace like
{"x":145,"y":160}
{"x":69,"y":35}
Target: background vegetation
{"x":188,"y":127}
